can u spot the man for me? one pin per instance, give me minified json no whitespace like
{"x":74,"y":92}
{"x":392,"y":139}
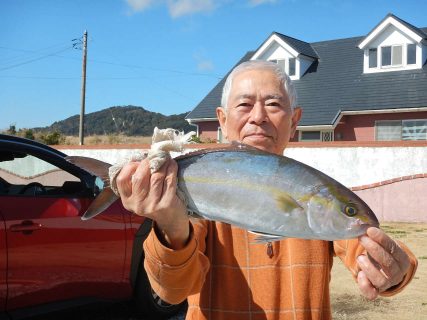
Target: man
{"x":218,"y":266}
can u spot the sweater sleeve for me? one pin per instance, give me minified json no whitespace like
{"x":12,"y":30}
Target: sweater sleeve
{"x":349,"y":250}
{"x":176,"y":274}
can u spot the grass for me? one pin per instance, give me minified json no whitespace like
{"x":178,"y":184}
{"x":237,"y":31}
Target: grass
{"x":108,"y":140}
{"x":410,"y":304}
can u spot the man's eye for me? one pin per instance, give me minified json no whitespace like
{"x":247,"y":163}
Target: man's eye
{"x":274,"y":104}
{"x":244,"y":104}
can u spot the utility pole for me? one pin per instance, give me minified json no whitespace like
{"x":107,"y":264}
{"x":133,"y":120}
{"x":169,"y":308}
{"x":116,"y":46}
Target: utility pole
{"x":82,"y":109}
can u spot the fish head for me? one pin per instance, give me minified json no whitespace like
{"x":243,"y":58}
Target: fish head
{"x":335,"y":212}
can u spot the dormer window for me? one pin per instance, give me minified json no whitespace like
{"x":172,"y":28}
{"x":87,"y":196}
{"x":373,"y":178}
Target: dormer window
{"x":293,"y":55}
{"x":288,"y":65}
{"x":391,"y":56}
{"x":411,"y":54}
{"x":393,"y":45}
{"x":373,"y":58}
{"x":292,"y":64}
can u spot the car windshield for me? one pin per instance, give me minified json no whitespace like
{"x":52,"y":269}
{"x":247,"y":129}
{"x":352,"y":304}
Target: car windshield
{"x":22,"y":174}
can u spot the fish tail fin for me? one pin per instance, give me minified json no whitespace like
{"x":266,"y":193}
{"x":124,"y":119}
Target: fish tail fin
{"x":94,"y":166}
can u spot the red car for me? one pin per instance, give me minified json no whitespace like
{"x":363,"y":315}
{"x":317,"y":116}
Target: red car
{"x":49,"y":257}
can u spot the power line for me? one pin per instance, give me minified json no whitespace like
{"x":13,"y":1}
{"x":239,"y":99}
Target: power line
{"x":33,"y":60}
{"x":129,"y":66}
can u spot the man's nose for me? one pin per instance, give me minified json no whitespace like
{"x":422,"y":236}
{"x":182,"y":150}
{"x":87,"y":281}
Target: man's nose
{"x":258,"y":114}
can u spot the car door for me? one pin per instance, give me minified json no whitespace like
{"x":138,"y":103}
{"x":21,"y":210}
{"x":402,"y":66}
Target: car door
{"x":52,"y":254}
{"x":3,"y":263}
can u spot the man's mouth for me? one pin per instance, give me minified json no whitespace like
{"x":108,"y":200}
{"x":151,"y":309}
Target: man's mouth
{"x":257,"y":135}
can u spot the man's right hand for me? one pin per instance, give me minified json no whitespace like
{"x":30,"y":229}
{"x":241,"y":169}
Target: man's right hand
{"x":154,"y":196}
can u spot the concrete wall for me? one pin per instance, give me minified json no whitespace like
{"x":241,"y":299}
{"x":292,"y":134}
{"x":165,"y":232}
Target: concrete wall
{"x":404,"y":200}
{"x":364,"y":167}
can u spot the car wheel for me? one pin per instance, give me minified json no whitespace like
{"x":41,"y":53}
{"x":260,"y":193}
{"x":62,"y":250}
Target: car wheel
{"x":148,"y":303}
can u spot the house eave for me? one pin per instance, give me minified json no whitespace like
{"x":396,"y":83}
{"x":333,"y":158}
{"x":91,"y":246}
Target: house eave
{"x":197,"y":120}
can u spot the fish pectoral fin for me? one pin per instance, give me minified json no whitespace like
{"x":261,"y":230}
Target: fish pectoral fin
{"x":286,"y":203}
{"x":266,"y":237}
{"x":104,"y":200}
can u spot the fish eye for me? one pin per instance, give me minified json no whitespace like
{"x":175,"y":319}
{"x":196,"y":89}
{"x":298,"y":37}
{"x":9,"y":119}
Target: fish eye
{"x":350,"y":210}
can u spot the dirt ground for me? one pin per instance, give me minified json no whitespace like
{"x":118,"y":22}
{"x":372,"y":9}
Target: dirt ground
{"x":410,"y":304}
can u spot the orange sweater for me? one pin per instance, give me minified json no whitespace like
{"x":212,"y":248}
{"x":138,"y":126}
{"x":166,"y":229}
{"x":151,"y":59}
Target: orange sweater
{"x":225,"y":275}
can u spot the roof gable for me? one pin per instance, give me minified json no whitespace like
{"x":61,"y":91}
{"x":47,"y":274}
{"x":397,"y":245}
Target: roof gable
{"x":294,"y":46}
{"x":409,"y":30}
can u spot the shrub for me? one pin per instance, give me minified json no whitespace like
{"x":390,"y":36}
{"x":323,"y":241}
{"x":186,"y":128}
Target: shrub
{"x":52,"y":138}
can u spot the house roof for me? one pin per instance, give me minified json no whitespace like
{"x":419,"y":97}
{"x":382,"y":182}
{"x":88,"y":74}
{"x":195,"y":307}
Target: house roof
{"x":300,"y":46}
{"x":336,"y":82}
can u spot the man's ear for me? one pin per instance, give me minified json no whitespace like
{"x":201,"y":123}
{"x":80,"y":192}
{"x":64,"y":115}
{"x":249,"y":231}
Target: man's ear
{"x":221,"y":114}
{"x":296,"y":117}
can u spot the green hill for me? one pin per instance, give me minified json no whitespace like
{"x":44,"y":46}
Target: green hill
{"x":127,"y":120}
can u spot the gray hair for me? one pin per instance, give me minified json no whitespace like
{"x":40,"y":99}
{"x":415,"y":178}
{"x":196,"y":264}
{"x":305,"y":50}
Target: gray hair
{"x":261,"y":65}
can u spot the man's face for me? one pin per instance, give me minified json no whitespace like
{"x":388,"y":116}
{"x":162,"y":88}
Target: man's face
{"x":259,"y":112}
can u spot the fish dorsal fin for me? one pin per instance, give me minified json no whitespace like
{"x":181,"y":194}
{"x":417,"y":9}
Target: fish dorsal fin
{"x":93,"y":166}
{"x":233,"y":146}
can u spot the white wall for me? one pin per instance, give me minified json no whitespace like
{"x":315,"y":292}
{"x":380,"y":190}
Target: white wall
{"x":352,"y":166}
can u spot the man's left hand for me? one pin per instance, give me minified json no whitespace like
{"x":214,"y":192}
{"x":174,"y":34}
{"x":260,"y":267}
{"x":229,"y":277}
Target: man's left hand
{"x":383,"y":267}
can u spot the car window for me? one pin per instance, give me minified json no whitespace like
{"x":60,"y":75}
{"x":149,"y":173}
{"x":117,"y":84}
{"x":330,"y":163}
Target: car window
{"x":25,"y":174}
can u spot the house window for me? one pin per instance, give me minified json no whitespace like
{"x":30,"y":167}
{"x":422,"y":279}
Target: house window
{"x":385,"y":56}
{"x":373,"y":58}
{"x":396,"y":55}
{"x":291,"y":70}
{"x":292,"y":66}
{"x":395,"y":130}
{"x":388,"y":130}
{"x":411,"y":54}
{"x":414,"y":129}
{"x":391,"y":56}
{"x":220,"y":137}
{"x":310,"y":136}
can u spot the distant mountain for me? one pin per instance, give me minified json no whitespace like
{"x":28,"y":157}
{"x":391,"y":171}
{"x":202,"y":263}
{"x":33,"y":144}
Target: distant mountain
{"x":128,"y":120}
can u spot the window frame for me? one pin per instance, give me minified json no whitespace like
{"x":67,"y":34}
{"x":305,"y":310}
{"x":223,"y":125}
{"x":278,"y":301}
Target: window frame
{"x":376,"y":57}
{"x":401,"y":122}
{"x":300,"y":138}
{"x":407,"y":54}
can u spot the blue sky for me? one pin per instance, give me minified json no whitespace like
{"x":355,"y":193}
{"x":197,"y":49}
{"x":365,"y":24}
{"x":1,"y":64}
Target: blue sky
{"x":163,"y":55}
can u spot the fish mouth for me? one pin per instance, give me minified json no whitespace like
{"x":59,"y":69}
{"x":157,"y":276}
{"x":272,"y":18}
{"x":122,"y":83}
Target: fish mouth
{"x":363,"y":223}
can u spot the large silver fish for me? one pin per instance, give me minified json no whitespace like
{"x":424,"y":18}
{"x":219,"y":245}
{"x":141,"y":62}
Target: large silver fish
{"x":272,"y":195}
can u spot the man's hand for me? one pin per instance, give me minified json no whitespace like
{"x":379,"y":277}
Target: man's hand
{"x":154,"y":196}
{"x":385,"y":265}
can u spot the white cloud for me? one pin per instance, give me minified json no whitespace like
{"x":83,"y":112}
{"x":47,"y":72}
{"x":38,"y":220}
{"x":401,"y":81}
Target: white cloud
{"x":178,"y":8}
{"x":205,"y":65}
{"x":254,"y":3}
{"x":139,"y":5}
